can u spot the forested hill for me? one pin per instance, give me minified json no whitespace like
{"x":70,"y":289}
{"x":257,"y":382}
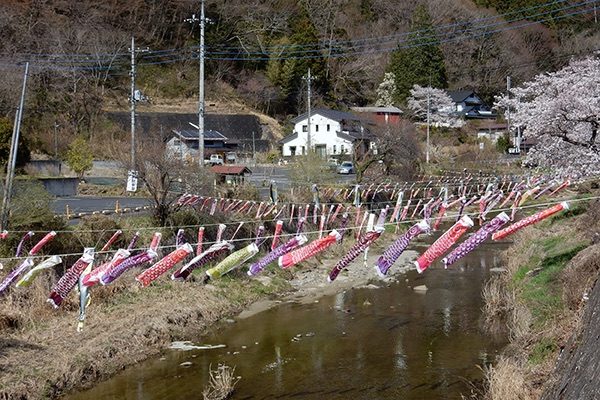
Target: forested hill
{"x":258,"y":50}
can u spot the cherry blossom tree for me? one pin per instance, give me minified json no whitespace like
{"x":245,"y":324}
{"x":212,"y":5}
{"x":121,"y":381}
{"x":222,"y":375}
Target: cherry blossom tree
{"x":442,"y":109}
{"x":561,"y":110}
{"x":385,"y":90}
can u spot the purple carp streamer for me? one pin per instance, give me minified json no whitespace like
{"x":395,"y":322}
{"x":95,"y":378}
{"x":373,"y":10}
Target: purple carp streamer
{"x":392,"y":253}
{"x":361,"y":245}
{"x":212,"y":253}
{"x":285,"y":248}
{"x":14,"y":274}
{"x":134,"y":261}
{"x":476,"y":239}
{"x":68,"y":281}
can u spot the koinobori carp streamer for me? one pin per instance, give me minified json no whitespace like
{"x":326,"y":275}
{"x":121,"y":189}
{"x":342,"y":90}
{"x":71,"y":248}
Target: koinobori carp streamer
{"x":360,"y":246}
{"x":30,"y":276}
{"x":68,"y":281}
{"x":313,"y":248}
{"x":96,"y":274}
{"x":509,"y":230}
{"x":392,"y":253}
{"x":285,"y":248}
{"x":116,"y":271}
{"x":476,"y":239}
{"x":443,"y":243}
{"x":165,"y":264}
{"x":212,"y":253}
{"x":233,"y":260}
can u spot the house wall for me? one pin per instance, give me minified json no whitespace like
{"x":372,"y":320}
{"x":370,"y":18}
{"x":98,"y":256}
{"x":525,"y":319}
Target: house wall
{"x":319,"y":136}
{"x":178,"y":149}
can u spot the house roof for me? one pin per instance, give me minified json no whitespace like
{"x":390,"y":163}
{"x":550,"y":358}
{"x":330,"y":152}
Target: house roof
{"x":230,"y":170}
{"x":458,"y":96}
{"x":192,"y":134}
{"x":334,"y":115}
{"x":288,"y":138}
{"x":387,"y":109}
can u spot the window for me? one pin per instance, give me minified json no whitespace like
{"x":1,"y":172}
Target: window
{"x":304,"y":128}
{"x":176,"y":142}
{"x":334,"y":149}
{"x":293,"y":150}
{"x":316,"y":128}
{"x":303,"y":150}
{"x":328,"y":127}
{"x":342,"y":148}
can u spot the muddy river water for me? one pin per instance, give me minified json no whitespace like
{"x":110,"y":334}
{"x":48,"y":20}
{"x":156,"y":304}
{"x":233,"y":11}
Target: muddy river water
{"x":389,"y":342}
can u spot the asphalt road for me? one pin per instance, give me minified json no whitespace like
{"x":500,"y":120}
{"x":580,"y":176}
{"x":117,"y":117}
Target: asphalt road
{"x":86,"y":204}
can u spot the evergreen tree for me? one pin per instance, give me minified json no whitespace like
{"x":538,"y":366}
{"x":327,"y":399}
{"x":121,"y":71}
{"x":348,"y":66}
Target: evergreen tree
{"x":419,"y":60}
{"x":23,"y":154}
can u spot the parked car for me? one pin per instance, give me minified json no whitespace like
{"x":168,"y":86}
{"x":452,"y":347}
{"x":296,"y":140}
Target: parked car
{"x":332,"y":164}
{"x":231,"y":157}
{"x":215,"y":159}
{"x":346,"y":168}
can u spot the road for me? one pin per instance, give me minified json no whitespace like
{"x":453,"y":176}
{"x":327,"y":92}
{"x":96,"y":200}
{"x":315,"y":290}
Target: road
{"x":86,"y":204}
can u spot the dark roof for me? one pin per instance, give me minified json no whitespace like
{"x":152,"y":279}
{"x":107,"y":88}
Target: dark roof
{"x":230,"y":169}
{"x":288,"y":138}
{"x":458,"y":96}
{"x":327,"y":113}
{"x":232,"y":126}
{"x":191,"y":134}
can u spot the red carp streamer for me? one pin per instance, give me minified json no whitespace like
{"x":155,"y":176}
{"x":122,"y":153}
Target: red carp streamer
{"x":168,"y":262}
{"x":112,"y":239}
{"x":509,"y":230}
{"x":278,"y":229}
{"x":68,"y":281}
{"x":313,"y":248}
{"x":200,"y":240}
{"x":444,"y":242}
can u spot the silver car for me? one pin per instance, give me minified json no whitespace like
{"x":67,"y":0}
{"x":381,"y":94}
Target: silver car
{"x":346,"y":168}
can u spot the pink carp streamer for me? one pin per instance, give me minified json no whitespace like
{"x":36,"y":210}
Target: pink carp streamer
{"x":278,"y":229}
{"x":476,"y":239}
{"x":95,"y":275}
{"x":112,"y":240}
{"x":530,"y":220}
{"x":200,"y":240}
{"x":313,"y":248}
{"x":233,"y":261}
{"x":68,"y":281}
{"x":285,"y":248}
{"x":165,"y":264}
{"x":134,"y":261}
{"x":561,"y":187}
{"x":220,"y":231}
{"x":357,"y":249}
{"x":212,"y":253}
{"x":3,"y":234}
{"x":30,"y":276}
{"x":27,"y":263}
{"x":392,"y":253}
{"x":443,"y":243}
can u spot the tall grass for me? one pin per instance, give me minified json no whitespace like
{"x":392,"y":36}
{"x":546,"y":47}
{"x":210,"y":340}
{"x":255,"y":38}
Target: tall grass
{"x":221,"y":383}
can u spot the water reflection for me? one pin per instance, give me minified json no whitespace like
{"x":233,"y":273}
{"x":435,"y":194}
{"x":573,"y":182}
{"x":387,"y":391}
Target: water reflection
{"x":403,"y":345}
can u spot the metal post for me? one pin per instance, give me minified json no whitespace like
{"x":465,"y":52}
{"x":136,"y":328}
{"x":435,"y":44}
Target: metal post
{"x":253,"y":150}
{"x":308,"y":94}
{"x":508,"y":81}
{"x":12,"y":159}
{"x":132,"y":100}
{"x":428,"y":122}
{"x":201,"y":89}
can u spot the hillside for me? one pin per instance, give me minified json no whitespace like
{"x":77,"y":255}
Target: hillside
{"x":258,"y":51}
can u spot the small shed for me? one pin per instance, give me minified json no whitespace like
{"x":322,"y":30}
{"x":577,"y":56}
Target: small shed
{"x":230,"y":174}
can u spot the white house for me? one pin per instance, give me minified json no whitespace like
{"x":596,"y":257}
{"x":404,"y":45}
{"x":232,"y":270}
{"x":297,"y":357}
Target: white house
{"x":469,"y":105}
{"x":331,"y":133}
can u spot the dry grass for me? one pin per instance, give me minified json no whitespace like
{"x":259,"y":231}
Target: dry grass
{"x":506,"y":381}
{"x":221,"y":383}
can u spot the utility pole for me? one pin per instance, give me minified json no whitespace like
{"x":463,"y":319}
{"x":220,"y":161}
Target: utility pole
{"x":132,"y":101}
{"x":308,"y":79}
{"x":253,"y":150}
{"x":428,"y":122}
{"x":12,"y":158}
{"x":200,"y":83}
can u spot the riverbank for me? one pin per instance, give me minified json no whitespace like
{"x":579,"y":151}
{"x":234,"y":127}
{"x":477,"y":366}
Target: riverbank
{"x":43,"y":356}
{"x":541,"y":297}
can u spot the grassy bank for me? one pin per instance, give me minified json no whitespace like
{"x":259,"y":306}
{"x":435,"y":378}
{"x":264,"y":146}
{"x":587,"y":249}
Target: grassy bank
{"x":42,"y":355}
{"x":540,"y":298}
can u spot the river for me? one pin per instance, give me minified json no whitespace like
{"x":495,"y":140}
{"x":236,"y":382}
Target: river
{"x":370,"y":343}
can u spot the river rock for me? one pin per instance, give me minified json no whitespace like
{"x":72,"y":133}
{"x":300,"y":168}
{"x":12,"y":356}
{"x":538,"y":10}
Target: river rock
{"x":420,"y":289}
{"x":499,"y":270}
{"x":186,"y":364}
{"x":264,"y":280}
